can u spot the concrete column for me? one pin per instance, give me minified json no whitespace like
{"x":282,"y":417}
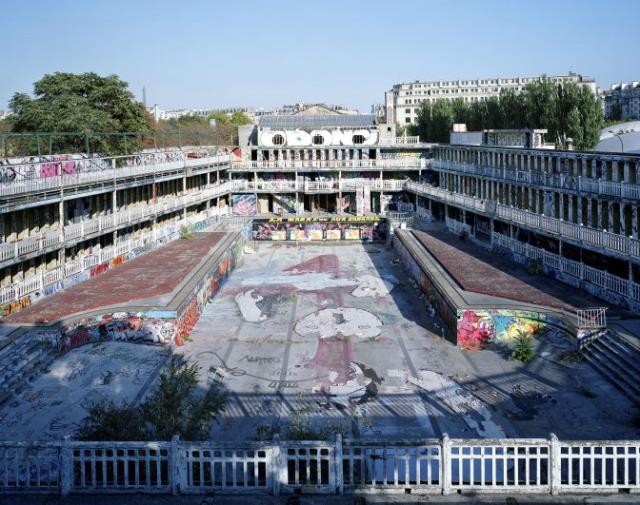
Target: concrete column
{"x":579,"y":209}
{"x":614,"y":171}
{"x":610,"y":226}
{"x":584,"y":167}
{"x":634,"y":221}
{"x":627,"y":173}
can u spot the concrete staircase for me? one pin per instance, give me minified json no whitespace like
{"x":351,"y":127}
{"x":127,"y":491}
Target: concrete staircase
{"x":618,"y":361}
{"x":21,"y":361}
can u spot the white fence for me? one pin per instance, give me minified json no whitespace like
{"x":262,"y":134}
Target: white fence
{"x":151,"y":238}
{"x":539,"y":178}
{"x":437,"y":466}
{"x":576,"y":269}
{"x":572,"y":231}
{"x":61,"y":173}
{"x":399,"y":163}
{"x":108,"y":222}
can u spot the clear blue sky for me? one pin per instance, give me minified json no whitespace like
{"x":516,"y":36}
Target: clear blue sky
{"x":228,"y":53}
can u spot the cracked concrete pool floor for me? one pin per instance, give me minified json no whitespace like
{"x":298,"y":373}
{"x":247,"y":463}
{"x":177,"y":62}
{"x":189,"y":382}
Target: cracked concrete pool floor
{"x":328,"y":337}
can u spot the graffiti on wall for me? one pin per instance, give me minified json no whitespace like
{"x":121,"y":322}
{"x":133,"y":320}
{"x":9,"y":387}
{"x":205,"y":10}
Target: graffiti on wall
{"x":317,"y":229}
{"x":478,"y":327}
{"x":244,"y":205}
{"x":12,"y":307}
{"x":148,"y":327}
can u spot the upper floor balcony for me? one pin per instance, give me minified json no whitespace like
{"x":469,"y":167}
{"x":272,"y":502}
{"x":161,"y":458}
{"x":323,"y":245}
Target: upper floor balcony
{"x":402,"y":163}
{"x":327,"y":186}
{"x":544,"y":179}
{"x":87,"y":228}
{"x":66,"y":173}
{"x":583,"y":235}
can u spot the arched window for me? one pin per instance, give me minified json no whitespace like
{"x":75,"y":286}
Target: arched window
{"x":358,"y":139}
{"x":317,"y":140}
{"x":278,"y":140}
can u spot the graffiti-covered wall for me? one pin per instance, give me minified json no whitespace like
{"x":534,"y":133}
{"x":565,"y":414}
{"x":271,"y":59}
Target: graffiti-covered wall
{"x":367,"y":228}
{"x":435,"y":298}
{"x":477,"y":327}
{"x":157,"y":326}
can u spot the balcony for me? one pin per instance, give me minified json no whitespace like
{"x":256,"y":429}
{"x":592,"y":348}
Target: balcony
{"x":544,"y":179}
{"x":289,"y":165}
{"x":35,"y":177}
{"x":571,"y":231}
{"x":76,"y":232}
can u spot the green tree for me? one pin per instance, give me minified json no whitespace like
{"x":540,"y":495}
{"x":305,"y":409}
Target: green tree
{"x":442,"y":121}
{"x":86,"y":103}
{"x":174,"y":407}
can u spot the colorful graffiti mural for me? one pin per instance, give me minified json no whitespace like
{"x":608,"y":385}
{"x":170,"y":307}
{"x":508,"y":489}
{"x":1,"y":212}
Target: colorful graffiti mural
{"x":318,"y":229}
{"x":244,"y":205}
{"x":153,"y":327}
{"x":477,"y":327}
{"x":12,"y":307}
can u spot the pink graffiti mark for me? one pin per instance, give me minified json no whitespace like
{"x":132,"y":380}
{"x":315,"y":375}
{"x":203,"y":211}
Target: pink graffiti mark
{"x":332,"y":355}
{"x":473,"y":332}
{"x":322,"y":263}
{"x":58,"y":165}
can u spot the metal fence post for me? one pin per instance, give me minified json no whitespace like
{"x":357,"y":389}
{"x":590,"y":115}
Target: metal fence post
{"x":445,"y":464}
{"x":555,"y":473}
{"x":66,"y":466}
{"x":338,"y":465}
{"x":275,"y":464}
{"x":175,"y":466}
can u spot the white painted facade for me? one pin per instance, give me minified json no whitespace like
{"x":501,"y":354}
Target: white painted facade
{"x":402,"y":101}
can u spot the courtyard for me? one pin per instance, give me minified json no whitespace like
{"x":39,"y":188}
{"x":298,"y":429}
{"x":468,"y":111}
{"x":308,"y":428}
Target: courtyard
{"x":310,"y":340}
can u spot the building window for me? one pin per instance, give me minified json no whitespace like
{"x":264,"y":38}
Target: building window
{"x":407,"y":120}
{"x":358,"y":139}
{"x":317,"y":140}
{"x":407,"y":111}
{"x":278,"y":140}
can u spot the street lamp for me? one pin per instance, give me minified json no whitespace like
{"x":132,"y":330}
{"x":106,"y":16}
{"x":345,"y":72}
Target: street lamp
{"x":617,"y":135}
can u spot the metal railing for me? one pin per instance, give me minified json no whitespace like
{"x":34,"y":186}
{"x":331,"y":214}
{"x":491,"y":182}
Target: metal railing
{"x":30,"y":177}
{"x":592,"y":318}
{"x":435,"y":466}
{"x":544,"y":179}
{"x":578,"y":270}
{"x":39,"y":282}
{"x":579,"y":233}
{"x":399,"y":163}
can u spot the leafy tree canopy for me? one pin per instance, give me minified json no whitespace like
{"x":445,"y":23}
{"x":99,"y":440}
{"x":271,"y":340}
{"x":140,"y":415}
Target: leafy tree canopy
{"x":66,"y":102}
{"x":566,"y":111}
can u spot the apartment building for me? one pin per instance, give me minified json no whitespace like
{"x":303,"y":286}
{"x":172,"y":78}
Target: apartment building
{"x":402,"y":101}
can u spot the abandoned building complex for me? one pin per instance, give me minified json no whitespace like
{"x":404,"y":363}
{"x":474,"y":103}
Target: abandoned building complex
{"x":349,"y":184}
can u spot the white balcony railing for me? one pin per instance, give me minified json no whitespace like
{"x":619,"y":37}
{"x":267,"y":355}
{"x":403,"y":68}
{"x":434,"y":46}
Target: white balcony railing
{"x":398,"y":163}
{"x":84,"y":228}
{"x":71,"y":267}
{"x":31,"y":177}
{"x":544,"y":179}
{"x":580,"y":233}
{"x":518,"y":466}
{"x":576,"y":269}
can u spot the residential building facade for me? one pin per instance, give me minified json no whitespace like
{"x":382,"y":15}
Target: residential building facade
{"x":622,"y":101}
{"x":402,"y":102}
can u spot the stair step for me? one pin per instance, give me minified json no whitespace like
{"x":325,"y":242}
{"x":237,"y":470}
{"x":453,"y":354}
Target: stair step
{"x":614,"y":376}
{"x":630,"y":358}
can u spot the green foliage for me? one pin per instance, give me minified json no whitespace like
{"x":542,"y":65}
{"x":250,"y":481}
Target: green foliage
{"x":566,"y":111}
{"x":66,"y":102}
{"x":173,"y":408}
{"x":523,"y":349}
{"x":185,"y":232}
